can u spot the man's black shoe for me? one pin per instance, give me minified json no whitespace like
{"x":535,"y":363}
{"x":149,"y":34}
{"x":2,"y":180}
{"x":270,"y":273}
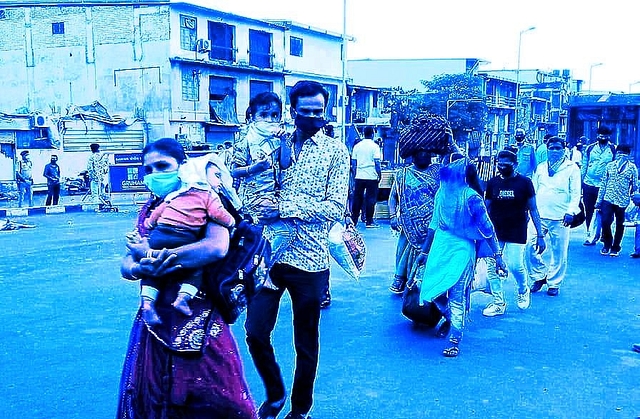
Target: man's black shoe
{"x":270,"y":410}
{"x":292,"y":415}
{"x":553,"y":291}
{"x":537,"y":285}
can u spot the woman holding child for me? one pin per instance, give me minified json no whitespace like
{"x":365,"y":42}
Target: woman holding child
{"x":181,"y":366}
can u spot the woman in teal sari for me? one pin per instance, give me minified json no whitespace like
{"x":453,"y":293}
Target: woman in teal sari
{"x":459,"y":220}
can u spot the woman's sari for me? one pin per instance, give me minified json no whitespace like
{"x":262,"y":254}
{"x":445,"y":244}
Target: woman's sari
{"x":160,"y":383}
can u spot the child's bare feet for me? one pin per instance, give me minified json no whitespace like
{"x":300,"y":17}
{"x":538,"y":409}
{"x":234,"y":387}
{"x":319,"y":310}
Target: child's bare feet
{"x":182,"y":303}
{"x":149,"y":314}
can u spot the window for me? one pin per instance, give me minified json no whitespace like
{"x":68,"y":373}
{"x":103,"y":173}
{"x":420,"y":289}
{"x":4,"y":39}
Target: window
{"x":221,"y":36}
{"x":295,"y":46}
{"x":188,"y":32}
{"x":222,"y":100}
{"x":260,"y":49}
{"x":190,"y":85}
{"x":258,"y":86}
{"x":57,"y":28}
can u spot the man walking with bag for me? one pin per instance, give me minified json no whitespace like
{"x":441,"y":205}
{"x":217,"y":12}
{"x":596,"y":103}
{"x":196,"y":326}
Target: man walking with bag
{"x":313,"y":196}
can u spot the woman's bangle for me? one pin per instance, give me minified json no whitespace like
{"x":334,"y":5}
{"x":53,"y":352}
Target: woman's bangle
{"x":246,"y":169}
{"x":149,"y":254}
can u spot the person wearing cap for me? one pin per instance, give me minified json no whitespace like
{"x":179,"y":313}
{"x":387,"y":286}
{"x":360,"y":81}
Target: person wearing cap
{"x":526,"y":155}
{"x":557,"y":186}
{"x":619,"y":183}
{"x":594,"y":162}
{"x":511,"y":200}
{"x":24,"y":179}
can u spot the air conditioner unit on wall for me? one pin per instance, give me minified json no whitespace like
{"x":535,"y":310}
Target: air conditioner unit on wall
{"x":39,"y":121}
{"x":203,"y":45}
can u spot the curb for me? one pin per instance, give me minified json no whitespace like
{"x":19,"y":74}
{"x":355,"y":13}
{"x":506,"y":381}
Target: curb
{"x":57,"y":209}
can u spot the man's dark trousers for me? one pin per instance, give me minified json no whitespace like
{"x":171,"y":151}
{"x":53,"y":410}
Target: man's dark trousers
{"x":365,"y":190}
{"x":589,"y":198}
{"x":53,"y":194}
{"x":305,"y":290}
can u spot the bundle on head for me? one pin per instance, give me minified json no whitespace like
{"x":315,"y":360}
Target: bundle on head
{"x":427,"y":132}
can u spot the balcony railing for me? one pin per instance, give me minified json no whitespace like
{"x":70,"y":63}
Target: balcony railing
{"x":501,"y":102}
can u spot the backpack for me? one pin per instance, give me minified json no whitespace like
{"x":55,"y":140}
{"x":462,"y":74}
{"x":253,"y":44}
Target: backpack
{"x":234,"y":280}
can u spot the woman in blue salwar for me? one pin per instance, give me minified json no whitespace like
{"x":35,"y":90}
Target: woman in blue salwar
{"x":460,"y":222}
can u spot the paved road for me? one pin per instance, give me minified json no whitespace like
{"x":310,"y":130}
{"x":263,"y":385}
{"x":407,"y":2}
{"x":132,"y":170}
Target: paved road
{"x":66,"y":316}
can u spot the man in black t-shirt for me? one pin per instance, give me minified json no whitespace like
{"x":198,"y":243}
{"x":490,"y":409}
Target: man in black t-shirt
{"x":511,"y":200}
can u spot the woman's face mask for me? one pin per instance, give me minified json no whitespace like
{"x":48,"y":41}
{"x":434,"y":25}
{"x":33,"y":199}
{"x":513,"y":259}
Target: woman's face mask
{"x":162,"y":183}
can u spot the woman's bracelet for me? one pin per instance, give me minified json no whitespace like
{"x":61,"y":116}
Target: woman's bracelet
{"x":246,"y":169}
{"x":496,"y":254}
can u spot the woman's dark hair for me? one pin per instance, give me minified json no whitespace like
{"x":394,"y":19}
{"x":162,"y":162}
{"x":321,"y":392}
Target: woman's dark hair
{"x":168,"y":147}
{"x":95,"y":147}
{"x":263,"y":99}
{"x":623,"y":148}
{"x":307,"y":88}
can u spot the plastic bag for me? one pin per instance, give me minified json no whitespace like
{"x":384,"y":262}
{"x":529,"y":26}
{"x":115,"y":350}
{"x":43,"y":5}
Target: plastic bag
{"x":348,"y":249}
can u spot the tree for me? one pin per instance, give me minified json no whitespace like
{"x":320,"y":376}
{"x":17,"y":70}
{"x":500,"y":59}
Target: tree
{"x":462,"y":94}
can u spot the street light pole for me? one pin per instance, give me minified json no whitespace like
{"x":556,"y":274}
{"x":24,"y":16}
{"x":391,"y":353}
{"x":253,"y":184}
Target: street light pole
{"x":522,"y":32}
{"x":591,"y":72}
{"x":343,"y":129}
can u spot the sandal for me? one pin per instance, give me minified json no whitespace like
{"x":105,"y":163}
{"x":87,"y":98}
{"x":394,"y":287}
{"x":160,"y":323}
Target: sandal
{"x":453,"y":350}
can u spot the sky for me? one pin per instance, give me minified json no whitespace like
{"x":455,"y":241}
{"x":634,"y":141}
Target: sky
{"x":568,"y":34}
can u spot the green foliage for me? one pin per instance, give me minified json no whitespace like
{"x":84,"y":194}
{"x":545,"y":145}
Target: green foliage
{"x":461,"y":93}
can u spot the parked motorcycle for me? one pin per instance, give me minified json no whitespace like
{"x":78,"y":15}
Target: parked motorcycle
{"x":79,"y":184}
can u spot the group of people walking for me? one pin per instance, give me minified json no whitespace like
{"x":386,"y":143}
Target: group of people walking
{"x":182,"y":360}
{"x":519,"y":224}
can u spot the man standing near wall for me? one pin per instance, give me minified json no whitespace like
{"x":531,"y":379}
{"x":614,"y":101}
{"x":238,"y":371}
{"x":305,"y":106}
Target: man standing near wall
{"x":24,"y":178}
{"x":365,"y":164}
{"x":52,"y":173}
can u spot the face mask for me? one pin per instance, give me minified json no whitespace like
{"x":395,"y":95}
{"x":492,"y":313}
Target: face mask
{"x":309,"y":125}
{"x":520,"y":139}
{"x":506,"y":170}
{"x":162,"y":184}
{"x":555,"y":155}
